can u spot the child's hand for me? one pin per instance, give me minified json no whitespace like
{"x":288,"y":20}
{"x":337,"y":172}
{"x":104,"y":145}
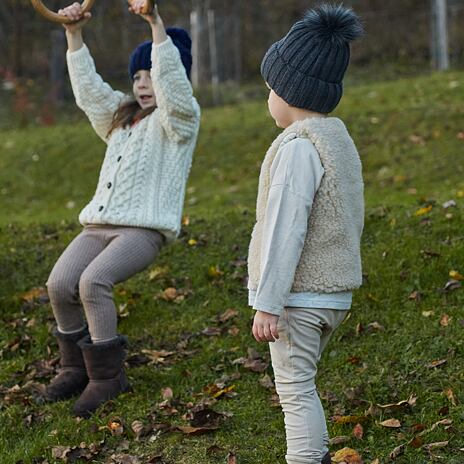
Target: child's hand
{"x":265,"y":327}
{"x":138,"y":7}
{"x":74,"y":13}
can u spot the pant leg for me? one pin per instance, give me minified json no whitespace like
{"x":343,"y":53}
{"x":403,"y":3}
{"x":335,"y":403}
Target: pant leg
{"x":63,"y":282}
{"x":129,"y":251}
{"x":304,"y":333}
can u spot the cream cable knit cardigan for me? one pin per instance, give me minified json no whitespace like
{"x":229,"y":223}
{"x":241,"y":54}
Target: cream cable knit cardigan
{"x":331,"y":260}
{"x":145,"y":169}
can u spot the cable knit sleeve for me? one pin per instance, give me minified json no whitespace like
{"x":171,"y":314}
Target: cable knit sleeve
{"x":179,"y":111}
{"x":94,"y":96}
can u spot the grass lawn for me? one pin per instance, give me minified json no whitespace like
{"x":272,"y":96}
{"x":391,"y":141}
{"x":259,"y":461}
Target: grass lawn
{"x":397,"y":358}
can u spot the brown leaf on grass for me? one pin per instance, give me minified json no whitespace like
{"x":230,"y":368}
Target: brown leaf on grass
{"x":195,"y":430}
{"x":227,"y":315}
{"x":167,"y":393}
{"x":122,"y":458}
{"x":348,"y":419}
{"x":158,"y":357}
{"x":444,"y":422}
{"x":231,"y":458}
{"x":445,"y":320}
{"x":374,"y":326}
{"x":436,"y":363}
{"x":415,"y":296}
{"x":340,"y":440}
{"x":416,"y":442}
{"x":214,"y":449}
{"x":411,"y":401}
{"x":391,"y":423}
{"x":233,"y":331}
{"x":358,"y":431}
{"x":398,"y":451}
{"x":36,"y":294}
{"x":418,"y":428}
{"x":451,"y":397}
{"x":140,"y":429}
{"x":170,"y":294}
{"x":267,"y":382}
{"x":116,"y":427}
{"x":211,"y":331}
{"x":60,"y":452}
{"x":436,"y":445}
{"x":348,"y":456}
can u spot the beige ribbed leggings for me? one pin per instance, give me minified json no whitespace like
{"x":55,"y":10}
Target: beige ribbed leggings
{"x":82,"y":279}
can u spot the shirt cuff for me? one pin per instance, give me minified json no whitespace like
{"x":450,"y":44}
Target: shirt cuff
{"x":268,"y":308}
{"x":77,"y":57}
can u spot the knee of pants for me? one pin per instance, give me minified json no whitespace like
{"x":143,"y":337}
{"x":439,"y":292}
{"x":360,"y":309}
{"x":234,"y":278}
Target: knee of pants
{"x":302,"y":388}
{"x":61,"y":290}
{"x":91,"y":289}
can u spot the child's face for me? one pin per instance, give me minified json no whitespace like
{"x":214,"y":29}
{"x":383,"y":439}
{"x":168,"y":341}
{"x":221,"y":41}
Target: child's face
{"x":279,"y":109}
{"x":143,"y":89}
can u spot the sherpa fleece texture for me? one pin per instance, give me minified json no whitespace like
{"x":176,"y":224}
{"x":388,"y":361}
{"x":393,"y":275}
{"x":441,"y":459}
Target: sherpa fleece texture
{"x":331,"y":259}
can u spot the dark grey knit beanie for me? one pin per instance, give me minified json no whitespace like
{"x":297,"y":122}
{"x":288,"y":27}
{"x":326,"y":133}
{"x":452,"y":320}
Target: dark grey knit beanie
{"x":307,"y":66}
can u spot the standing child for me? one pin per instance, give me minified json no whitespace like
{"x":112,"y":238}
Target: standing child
{"x":304,"y":257}
{"x":137,"y":206}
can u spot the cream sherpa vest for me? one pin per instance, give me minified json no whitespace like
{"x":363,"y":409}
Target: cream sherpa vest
{"x":331,"y":258}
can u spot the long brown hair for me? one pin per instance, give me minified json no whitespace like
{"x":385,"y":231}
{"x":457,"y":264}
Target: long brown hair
{"x":127,"y":114}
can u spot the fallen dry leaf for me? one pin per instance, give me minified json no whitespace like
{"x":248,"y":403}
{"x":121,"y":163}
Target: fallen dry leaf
{"x":348,"y":419}
{"x":416,"y":442}
{"x":38,"y":294}
{"x":391,"y":423}
{"x":437,"y":363}
{"x":456,"y":275}
{"x":227,"y":315}
{"x":348,"y":456}
{"x":411,"y":401}
{"x":450,"y":395}
{"x":422,"y":211}
{"x":211,"y":331}
{"x":398,"y":451}
{"x":267,"y":382}
{"x":167,"y":393}
{"x":195,"y":430}
{"x":340,"y":440}
{"x":358,"y":431}
{"x":231,"y":458}
{"x":445,"y":320}
{"x":437,"y":445}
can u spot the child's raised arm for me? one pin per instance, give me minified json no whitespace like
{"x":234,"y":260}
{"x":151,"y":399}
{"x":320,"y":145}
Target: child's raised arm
{"x":179,"y":111}
{"x":95,"y":97}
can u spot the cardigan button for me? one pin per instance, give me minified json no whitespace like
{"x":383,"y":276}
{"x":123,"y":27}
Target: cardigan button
{"x":101,"y":208}
{"x":109,"y":185}
{"x":119,"y":158}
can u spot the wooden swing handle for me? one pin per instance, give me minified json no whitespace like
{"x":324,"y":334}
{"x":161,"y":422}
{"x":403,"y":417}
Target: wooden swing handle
{"x":55,"y":17}
{"x":148,"y":8}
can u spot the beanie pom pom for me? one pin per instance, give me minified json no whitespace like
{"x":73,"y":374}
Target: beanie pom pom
{"x":334,"y":23}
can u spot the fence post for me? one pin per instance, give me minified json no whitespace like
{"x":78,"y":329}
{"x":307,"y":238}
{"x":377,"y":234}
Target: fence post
{"x":440,"y":52}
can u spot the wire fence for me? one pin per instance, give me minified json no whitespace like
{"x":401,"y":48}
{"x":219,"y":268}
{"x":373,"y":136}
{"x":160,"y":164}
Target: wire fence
{"x":232,"y":39}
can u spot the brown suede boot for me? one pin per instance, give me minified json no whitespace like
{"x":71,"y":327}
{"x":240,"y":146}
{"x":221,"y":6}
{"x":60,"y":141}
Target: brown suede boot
{"x":107,"y":379}
{"x":326,"y":459}
{"x":72,"y":375}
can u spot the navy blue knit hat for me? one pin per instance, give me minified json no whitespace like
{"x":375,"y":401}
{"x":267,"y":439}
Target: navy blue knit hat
{"x":306,"y":67}
{"x":141,"y":56}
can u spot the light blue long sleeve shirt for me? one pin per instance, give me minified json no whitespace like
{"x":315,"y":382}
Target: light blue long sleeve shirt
{"x":296,"y":174}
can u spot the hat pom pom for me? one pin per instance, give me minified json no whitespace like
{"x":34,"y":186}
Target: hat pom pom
{"x":334,"y":23}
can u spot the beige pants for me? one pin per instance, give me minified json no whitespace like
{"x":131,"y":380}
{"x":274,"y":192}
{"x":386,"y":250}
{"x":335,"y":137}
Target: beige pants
{"x":304,"y":333}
